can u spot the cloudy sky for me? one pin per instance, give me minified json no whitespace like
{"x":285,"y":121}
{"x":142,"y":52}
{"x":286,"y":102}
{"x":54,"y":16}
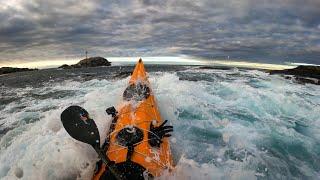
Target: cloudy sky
{"x":270,"y":31}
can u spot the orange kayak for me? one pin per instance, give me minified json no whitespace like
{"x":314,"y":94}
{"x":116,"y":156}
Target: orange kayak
{"x":137,"y":143}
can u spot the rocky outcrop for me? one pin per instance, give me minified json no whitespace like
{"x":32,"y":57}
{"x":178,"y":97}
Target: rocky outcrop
{"x":301,"y":74}
{"x":7,"y":70}
{"x":65,"y":66}
{"x":93,"y":62}
{"x":88,"y":62}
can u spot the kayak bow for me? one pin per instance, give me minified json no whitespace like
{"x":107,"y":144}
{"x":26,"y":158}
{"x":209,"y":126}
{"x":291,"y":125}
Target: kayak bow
{"x":136,"y":143}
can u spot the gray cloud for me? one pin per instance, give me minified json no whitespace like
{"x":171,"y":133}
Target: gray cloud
{"x":257,"y":30}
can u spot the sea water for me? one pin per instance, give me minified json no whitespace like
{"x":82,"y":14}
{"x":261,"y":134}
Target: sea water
{"x":228,"y":124}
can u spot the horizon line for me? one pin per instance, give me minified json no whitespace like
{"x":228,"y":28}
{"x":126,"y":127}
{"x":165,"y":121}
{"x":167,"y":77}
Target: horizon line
{"x":170,"y":60}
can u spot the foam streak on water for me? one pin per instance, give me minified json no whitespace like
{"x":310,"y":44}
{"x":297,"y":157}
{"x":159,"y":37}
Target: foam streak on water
{"x":229,"y":124}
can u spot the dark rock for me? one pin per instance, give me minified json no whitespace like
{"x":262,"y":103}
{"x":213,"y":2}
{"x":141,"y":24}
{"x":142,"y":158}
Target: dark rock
{"x":65,"y":66}
{"x":302,"y":74}
{"x":7,"y":70}
{"x":122,"y":74}
{"x":88,"y":62}
{"x":287,"y":77}
{"x":306,"y":80}
{"x":305,"y":71}
{"x":92,"y":62}
{"x":216,"y":67}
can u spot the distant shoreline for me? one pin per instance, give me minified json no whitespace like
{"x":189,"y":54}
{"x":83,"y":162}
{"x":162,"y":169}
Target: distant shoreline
{"x":300,"y":74}
{"x":9,"y":70}
{"x":183,"y":60}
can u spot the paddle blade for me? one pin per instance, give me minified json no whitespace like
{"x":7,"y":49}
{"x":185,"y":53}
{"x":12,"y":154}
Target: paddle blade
{"x":78,"y":124}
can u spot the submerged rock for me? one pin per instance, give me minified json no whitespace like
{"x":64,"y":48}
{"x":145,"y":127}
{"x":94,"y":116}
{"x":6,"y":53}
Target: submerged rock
{"x":7,"y":70}
{"x":122,"y":74}
{"x":216,"y":67}
{"x":301,"y":74}
{"x":88,"y":62}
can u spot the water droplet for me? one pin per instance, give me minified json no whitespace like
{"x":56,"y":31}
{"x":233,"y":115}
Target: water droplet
{"x":154,"y":122}
{"x":18,"y":172}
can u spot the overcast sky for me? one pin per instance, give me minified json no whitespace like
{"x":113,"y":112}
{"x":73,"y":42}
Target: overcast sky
{"x":272,"y":31}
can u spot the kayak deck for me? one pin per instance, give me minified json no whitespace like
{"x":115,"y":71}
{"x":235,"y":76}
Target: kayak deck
{"x":128,"y":139}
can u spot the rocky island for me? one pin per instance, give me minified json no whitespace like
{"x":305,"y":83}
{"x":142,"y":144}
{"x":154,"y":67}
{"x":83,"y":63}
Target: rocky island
{"x":301,"y":74}
{"x":88,"y":62}
{"x":7,"y":70}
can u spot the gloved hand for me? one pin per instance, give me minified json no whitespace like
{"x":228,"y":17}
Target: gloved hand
{"x":157,"y":133}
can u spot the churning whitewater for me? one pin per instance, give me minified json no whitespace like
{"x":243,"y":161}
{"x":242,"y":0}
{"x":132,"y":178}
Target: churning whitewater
{"x":228,"y":123}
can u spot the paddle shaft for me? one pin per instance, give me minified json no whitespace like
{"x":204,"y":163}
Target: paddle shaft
{"x":107,"y":162}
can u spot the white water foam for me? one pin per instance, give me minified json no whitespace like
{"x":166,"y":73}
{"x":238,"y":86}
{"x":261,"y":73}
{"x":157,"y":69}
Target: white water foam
{"x":222,"y":127}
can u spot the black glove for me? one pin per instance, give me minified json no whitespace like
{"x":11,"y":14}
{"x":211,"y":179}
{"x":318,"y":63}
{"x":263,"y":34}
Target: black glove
{"x":157,"y":133}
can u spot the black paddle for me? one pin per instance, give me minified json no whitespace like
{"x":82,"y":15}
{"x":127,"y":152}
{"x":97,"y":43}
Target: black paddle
{"x":81,"y":127}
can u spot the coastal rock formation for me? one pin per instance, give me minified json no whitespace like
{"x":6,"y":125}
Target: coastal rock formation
{"x":65,"y":66}
{"x":301,"y":74}
{"x":88,"y":62}
{"x":7,"y":70}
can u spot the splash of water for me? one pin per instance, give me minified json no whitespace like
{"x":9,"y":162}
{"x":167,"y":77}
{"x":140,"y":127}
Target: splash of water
{"x":230,"y":124}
